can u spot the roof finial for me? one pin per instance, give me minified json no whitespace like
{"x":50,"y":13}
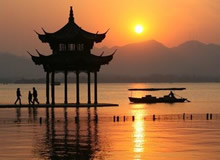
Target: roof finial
{"x":71,"y":19}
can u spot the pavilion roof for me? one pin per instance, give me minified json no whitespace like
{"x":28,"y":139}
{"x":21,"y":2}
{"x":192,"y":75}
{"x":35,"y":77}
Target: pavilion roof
{"x":72,"y":61}
{"x":71,"y":32}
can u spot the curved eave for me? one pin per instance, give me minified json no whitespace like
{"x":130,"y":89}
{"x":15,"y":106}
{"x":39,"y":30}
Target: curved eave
{"x":100,"y":37}
{"x":102,"y":60}
{"x":69,"y":33}
{"x":43,"y":38}
{"x":51,"y":37}
{"x":36,"y":60}
{"x":70,"y":59}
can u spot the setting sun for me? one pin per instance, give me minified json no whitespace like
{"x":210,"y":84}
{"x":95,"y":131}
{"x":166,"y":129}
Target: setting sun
{"x":139,"y":29}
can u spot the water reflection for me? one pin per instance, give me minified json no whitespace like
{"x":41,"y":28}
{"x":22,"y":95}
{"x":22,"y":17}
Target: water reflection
{"x":35,"y":113}
{"x":70,"y":138}
{"x":18,"y":114}
{"x":139,"y":132}
{"x":32,"y":113}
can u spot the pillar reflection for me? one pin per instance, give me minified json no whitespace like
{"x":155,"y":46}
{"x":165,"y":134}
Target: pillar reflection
{"x":66,"y":132}
{"x":96,"y":128}
{"x":69,"y":139}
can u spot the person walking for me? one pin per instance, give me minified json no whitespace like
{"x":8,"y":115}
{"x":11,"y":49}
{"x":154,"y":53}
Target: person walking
{"x":35,"y":96}
{"x":18,"y":92}
{"x":30,"y":98}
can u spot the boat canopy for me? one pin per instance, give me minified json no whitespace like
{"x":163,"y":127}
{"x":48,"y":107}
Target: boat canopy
{"x":156,"y":89}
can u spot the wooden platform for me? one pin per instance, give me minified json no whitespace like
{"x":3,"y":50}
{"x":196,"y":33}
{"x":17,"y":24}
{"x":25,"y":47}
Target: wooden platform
{"x":59,"y":105}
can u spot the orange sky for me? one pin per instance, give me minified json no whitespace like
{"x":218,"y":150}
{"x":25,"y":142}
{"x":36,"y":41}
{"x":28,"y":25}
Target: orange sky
{"x":170,"y":22}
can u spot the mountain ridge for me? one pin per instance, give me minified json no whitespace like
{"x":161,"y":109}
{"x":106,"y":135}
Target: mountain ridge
{"x":191,"y":58}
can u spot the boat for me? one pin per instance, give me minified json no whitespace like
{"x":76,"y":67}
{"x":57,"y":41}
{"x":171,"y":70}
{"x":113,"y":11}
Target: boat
{"x":170,"y":98}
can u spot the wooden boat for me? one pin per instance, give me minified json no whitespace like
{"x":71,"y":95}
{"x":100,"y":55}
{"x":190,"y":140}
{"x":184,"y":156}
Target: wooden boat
{"x":151,"y":99}
{"x":170,"y":98}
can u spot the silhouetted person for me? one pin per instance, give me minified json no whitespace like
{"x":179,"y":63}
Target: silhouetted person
{"x":18,"y":96}
{"x":30,"y":98}
{"x":171,"y":94}
{"x":35,"y":96}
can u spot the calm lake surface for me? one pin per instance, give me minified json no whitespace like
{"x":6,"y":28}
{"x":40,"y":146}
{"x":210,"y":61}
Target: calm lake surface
{"x":59,"y":137}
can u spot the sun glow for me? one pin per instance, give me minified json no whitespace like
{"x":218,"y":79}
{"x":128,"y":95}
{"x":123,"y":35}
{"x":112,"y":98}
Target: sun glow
{"x":139,"y":29}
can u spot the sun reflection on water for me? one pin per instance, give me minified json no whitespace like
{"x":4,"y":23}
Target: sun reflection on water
{"x":139,"y":131}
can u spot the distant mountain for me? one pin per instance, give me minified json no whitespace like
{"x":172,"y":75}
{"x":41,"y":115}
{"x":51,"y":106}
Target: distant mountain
{"x":151,"y":57}
{"x":14,"y":67}
{"x":149,"y":60}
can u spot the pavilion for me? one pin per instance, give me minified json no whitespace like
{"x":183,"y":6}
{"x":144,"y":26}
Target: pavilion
{"x":71,"y":52}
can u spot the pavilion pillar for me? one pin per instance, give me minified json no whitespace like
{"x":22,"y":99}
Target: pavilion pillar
{"x":89,"y":89}
{"x":77,"y":87}
{"x":65,"y":88}
{"x":52,"y":88}
{"x":48,"y":88}
{"x":95,"y":88}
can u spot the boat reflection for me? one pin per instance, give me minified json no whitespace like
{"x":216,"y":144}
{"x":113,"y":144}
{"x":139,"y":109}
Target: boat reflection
{"x":69,"y":139}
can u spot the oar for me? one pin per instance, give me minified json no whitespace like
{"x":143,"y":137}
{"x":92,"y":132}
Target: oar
{"x":182,"y":97}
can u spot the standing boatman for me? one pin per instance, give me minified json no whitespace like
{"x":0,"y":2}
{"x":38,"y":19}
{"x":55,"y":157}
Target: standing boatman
{"x":171,"y":94}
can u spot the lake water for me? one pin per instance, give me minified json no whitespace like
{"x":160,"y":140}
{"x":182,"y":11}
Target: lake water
{"x":59,"y":137}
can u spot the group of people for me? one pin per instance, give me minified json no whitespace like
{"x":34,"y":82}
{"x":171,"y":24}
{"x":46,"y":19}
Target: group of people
{"x":32,"y":97}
